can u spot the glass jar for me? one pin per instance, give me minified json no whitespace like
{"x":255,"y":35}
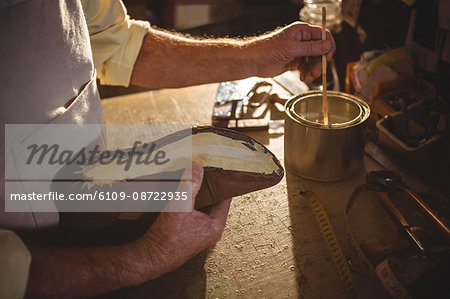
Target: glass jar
{"x":312,"y":13}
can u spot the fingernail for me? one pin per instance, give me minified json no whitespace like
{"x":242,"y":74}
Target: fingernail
{"x":326,"y":45}
{"x":196,"y":168}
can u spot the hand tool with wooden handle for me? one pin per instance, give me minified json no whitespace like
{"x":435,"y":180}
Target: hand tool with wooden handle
{"x":388,"y":181}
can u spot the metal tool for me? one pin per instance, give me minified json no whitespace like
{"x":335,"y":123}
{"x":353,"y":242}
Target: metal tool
{"x":236,"y":112}
{"x":401,"y":221}
{"x":388,"y":181}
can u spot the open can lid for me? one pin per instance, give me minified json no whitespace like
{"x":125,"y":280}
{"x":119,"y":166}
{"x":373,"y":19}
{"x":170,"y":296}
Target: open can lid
{"x":344,"y":110}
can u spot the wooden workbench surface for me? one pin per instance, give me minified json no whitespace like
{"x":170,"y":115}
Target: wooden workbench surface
{"x":271,"y":247}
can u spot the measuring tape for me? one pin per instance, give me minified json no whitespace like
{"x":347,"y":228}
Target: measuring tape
{"x":332,"y":244}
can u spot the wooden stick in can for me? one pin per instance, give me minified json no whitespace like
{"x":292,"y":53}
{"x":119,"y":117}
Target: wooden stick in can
{"x":324,"y":70}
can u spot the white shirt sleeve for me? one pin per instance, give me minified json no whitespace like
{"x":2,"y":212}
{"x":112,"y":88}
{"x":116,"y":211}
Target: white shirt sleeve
{"x":115,"y":39}
{"x":15,"y":262}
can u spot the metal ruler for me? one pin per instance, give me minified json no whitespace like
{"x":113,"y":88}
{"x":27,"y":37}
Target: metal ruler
{"x":329,"y":238}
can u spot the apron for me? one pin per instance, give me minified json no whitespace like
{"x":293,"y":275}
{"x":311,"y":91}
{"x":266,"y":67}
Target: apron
{"x":47,"y":77}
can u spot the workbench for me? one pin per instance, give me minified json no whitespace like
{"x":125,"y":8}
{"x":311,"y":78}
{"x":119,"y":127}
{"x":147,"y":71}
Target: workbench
{"x":271,"y":246}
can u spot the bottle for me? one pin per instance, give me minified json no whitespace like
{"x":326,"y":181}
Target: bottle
{"x":312,"y":13}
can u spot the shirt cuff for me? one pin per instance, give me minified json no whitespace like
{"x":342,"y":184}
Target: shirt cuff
{"x":118,"y":69}
{"x":15,"y":262}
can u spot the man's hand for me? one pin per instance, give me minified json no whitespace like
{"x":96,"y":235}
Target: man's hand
{"x":175,"y":237}
{"x":297,"y":46}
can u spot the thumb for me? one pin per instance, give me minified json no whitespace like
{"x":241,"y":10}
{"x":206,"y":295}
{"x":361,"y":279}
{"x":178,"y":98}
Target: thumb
{"x":188,"y":187}
{"x":313,"y":48}
{"x":192,"y":186}
{"x":197,"y":179}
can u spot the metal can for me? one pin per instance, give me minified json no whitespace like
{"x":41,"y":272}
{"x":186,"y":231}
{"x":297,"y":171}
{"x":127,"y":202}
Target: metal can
{"x":325,"y":152}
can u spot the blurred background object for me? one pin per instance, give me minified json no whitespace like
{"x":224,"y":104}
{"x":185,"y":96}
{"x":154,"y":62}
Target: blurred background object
{"x":312,"y":13}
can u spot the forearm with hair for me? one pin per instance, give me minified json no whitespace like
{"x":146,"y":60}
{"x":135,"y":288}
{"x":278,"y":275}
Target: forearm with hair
{"x":86,"y":272}
{"x":171,"y":60}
